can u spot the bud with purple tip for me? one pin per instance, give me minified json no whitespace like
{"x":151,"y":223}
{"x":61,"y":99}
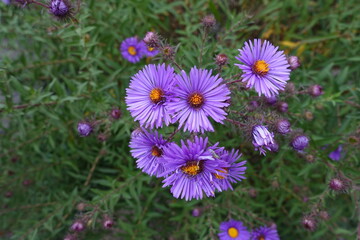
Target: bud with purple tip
{"x":196,"y":212}
{"x":115,"y":113}
{"x":271,"y":100}
{"x":70,"y":237}
{"x":262,"y":138}
{"x":84,"y":129}
{"x":221,"y":59}
{"x":253,"y":105}
{"x":274,"y":147}
{"x":282,"y":107}
{"x":300,"y":142}
{"x":283,"y":126}
{"x":294,"y":62}
{"x":309,"y":223}
{"x":107,"y":222}
{"x":315,"y":90}
{"x":60,"y":8}
{"x":78,"y":226}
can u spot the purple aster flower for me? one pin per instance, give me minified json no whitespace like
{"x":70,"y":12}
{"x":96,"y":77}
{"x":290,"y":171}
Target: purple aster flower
{"x":233,"y":230}
{"x":149,"y":94}
{"x":232,"y":174}
{"x":132,"y":49}
{"x":148,"y":147}
{"x":151,"y":51}
{"x":199,"y":96}
{"x":300,"y":142}
{"x":6,"y":1}
{"x":265,"y":233}
{"x":190,"y":169}
{"x":336,"y":154}
{"x":264,"y":67}
{"x":262,"y":138}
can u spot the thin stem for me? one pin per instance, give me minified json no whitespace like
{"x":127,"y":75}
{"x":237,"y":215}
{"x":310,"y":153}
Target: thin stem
{"x":177,"y":65}
{"x":172,"y":135}
{"x":39,"y":3}
{"x":202,"y":46}
{"x":235,"y":122}
{"x":235,"y":81}
{"x":101,"y":153}
{"x":31,"y":105}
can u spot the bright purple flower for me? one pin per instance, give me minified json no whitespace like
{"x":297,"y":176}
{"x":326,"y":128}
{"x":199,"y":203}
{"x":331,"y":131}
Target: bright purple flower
{"x":233,"y":230}
{"x":262,"y":138}
{"x":190,"y":169}
{"x":232,"y":174}
{"x":148,"y":148}
{"x":149,"y":94}
{"x":300,"y":142}
{"x":336,"y":154}
{"x":199,"y":96}
{"x":132,"y":49}
{"x":265,"y":233}
{"x":264,"y":67}
{"x":151,"y":51}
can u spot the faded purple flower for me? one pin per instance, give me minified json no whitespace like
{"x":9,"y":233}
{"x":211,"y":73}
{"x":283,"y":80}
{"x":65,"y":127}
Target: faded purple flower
{"x":132,"y":49}
{"x":233,"y":230}
{"x":262,"y":138}
{"x":152,"y":40}
{"x":149,"y":95}
{"x":198,"y":97}
{"x":221,"y":59}
{"x":264,"y":67}
{"x":309,"y":223}
{"x":265,"y":233}
{"x":336,"y":154}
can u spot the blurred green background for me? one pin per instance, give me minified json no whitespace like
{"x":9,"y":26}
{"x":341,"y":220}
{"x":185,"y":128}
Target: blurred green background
{"x":55,"y":74}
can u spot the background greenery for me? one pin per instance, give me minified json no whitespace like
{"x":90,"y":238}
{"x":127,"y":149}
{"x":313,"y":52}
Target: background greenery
{"x":54,"y":74}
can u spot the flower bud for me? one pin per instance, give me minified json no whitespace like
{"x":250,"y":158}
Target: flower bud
{"x":27,"y":182}
{"x":338,"y":184}
{"x":300,"y":142}
{"x":60,"y":8}
{"x":324,"y":215}
{"x":283,"y":126}
{"x":168,"y":52}
{"x":253,"y":105}
{"x":8,"y":194}
{"x":309,"y":115}
{"x":209,"y":21}
{"x":252,"y":192}
{"x":107,"y":222}
{"x":274,"y":147}
{"x":196,"y":212}
{"x":70,"y":237}
{"x":282,"y":107}
{"x":115,"y":113}
{"x":309,"y":223}
{"x":78,"y":226}
{"x":81,"y":206}
{"x":290,"y":88}
{"x":221,"y":59}
{"x":294,"y":62}
{"x":271,"y":100}
{"x":310,"y":158}
{"x":84,"y":129}
{"x":102,"y":137}
{"x":315,"y":90}
{"x":152,"y":39}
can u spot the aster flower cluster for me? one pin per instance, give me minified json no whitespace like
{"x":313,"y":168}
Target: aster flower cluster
{"x":236,"y":230}
{"x":134,"y":49}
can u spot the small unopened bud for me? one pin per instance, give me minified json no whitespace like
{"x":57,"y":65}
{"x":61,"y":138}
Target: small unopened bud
{"x":282,"y":107}
{"x":310,"y":158}
{"x":324,"y":215}
{"x":309,"y":115}
{"x":102,"y":137}
{"x":274,"y":147}
{"x":196,"y":212}
{"x":152,"y":39}
{"x":209,"y":21}
{"x":294,"y":62}
{"x":60,"y":8}
{"x":78,"y":226}
{"x":253,"y":105}
{"x":107,"y":222}
{"x":221,"y":59}
{"x":300,"y":142}
{"x":338,"y":184}
{"x":309,"y":223}
{"x":290,"y":88}
{"x":252,"y":192}
{"x":168,"y":52}
{"x":27,"y":182}
{"x":115,"y":113}
{"x":275,"y":184}
{"x":10,"y":173}
{"x":283,"y":126}
{"x":81,"y":206}
{"x":84,"y":129}
{"x":8,"y":194}
{"x":315,"y":90}
{"x":271,"y":100}
{"x":70,"y":237}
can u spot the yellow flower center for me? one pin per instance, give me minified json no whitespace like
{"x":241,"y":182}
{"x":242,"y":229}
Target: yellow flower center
{"x":196,"y":100}
{"x":260,"y":67}
{"x":156,"y":95}
{"x":151,"y":49}
{"x":261,"y":237}
{"x":224,"y":170}
{"x":132,"y":50}
{"x":193,"y":168}
{"x":233,"y":232}
{"x":156,"y":152}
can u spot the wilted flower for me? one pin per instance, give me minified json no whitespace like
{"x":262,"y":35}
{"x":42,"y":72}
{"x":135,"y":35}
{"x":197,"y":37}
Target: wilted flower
{"x":221,"y":59}
{"x":209,"y":21}
{"x":315,"y":90}
{"x":132,"y":49}
{"x":324,"y":215}
{"x":294,"y":62}
{"x":283,"y":126}
{"x":300,"y":142}
{"x":149,"y":95}
{"x":168,"y":52}
{"x":338,"y":184}
{"x":262,"y":138}
{"x":233,"y":230}
{"x":199,"y":96}
{"x":152,"y":40}
{"x":265,"y":233}
{"x":309,"y":223}
{"x":336,"y":154}
{"x":264,"y":68}
{"x":84,"y":129}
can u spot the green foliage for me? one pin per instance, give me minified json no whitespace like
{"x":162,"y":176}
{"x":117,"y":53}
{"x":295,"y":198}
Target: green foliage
{"x":55,"y":74}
